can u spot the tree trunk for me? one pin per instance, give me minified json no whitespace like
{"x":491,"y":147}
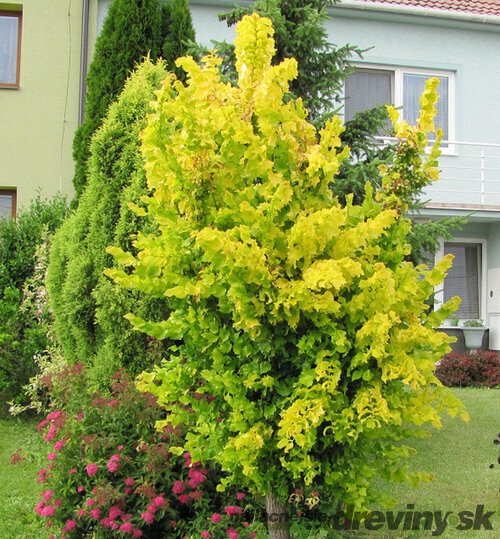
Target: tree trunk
{"x":277,"y":518}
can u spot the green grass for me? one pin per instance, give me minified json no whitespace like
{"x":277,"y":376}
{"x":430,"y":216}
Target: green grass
{"x":19,"y":490}
{"x":459,"y":455}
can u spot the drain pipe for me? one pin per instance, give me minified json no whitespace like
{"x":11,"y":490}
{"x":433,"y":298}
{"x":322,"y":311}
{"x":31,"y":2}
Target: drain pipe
{"x":84,"y":59}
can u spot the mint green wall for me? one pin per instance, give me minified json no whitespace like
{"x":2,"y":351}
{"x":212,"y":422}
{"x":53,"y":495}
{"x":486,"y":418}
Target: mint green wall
{"x":39,"y":119}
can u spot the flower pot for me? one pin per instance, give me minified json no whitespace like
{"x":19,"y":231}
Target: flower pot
{"x":473,"y":337}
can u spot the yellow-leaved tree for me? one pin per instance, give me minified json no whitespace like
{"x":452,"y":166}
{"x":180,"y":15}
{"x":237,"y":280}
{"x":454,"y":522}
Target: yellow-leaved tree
{"x":305,"y":343}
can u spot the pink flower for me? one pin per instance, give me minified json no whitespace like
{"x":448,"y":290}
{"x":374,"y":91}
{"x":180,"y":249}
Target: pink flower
{"x":91,"y":469}
{"x":205,"y":534}
{"x":184,"y":498}
{"x":196,"y":478}
{"x":95,"y":513}
{"x":159,"y":501}
{"x":127,"y":517}
{"x":42,"y":424}
{"x":112,"y":465}
{"x":187,"y":456}
{"x":54,"y":415}
{"x":137,"y":533}
{"x":178,"y":487}
{"x":106,"y":522}
{"x":152,"y":508}
{"x":112,"y":402}
{"x":81,"y":513}
{"x":47,"y":511}
{"x":39,"y":507}
{"x":128,"y":490}
{"x":233,"y":510}
{"x":216,"y":517}
{"x":148,"y":517}
{"x":253,"y":535}
{"x":127,"y":527}
{"x":42,"y":476}
{"x":114,"y":512}
{"x":80,"y":488}
{"x":70,"y":524}
{"x":79,"y":417}
{"x":59,"y":444}
{"x":240,"y":495}
{"x":120,"y":447}
{"x":90,"y":502}
{"x":233,"y":534}
{"x":246,"y":524}
{"x":51,"y":456}
{"x":72,"y":471}
{"x":114,"y":525}
{"x":51,"y":433}
{"x":47,"y":494}
{"x":129,"y":481}
{"x":58,"y":503}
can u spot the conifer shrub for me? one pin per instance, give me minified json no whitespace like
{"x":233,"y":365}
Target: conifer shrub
{"x":88,"y":311}
{"x":300,"y":317}
{"x":132,"y":30}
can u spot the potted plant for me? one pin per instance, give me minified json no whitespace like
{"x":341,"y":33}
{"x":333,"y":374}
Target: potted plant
{"x":453,"y":320}
{"x":473,"y":333}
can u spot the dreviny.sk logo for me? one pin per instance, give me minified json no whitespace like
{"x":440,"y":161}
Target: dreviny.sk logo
{"x":437,"y":521}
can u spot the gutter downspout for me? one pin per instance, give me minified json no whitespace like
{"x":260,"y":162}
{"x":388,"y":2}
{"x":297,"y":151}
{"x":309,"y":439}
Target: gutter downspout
{"x":84,"y":59}
{"x":414,"y":10}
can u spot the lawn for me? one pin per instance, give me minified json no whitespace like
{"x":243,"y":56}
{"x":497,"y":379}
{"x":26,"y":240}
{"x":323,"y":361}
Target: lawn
{"x":459,"y":455}
{"x":19,"y":490}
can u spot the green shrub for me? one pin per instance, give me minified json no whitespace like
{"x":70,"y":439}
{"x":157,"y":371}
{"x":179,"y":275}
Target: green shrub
{"x":22,"y":294}
{"x":89,"y":311}
{"x":299,"y":316}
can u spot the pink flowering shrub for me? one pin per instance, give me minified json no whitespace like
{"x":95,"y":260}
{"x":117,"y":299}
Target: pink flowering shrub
{"x":109,"y":471}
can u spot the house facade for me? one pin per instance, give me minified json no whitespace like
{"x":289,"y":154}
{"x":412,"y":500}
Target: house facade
{"x":406,"y":41}
{"x":40,"y":87}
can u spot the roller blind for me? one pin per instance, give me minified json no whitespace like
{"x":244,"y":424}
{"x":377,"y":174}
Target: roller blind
{"x":366,"y":89}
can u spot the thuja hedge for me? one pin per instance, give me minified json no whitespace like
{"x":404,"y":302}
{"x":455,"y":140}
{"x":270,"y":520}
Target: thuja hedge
{"x":88,"y":309}
{"x":299,"y":317}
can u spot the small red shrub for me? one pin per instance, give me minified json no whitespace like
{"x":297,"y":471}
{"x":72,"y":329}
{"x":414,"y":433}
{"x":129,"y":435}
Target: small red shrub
{"x":477,"y":368}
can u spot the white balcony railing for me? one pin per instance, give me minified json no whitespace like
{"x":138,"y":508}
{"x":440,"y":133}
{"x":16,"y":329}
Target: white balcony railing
{"x":469,"y":175}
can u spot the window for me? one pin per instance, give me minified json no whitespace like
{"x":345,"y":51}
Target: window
{"x":10,"y":48}
{"x":465,"y":278}
{"x":8,"y":203}
{"x":402,"y":87}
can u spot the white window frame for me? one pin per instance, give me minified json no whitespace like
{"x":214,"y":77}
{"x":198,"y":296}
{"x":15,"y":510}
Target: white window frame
{"x":397,"y":91}
{"x":439,"y":290}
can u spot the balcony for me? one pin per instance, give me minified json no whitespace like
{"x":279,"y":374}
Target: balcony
{"x":469,"y":178}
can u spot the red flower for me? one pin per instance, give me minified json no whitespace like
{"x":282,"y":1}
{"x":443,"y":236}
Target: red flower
{"x":233,"y":510}
{"x":178,"y":487}
{"x":184,"y":498}
{"x":91,"y":469}
{"x":159,"y":501}
{"x":216,"y":517}
{"x":148,"y":517}
{"x":127,"y":527}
